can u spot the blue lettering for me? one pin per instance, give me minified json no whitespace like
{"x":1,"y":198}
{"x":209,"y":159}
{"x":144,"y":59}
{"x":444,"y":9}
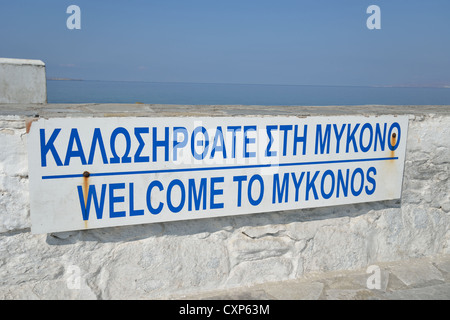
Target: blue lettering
{"x":137,"y":155}
{"x":285,"y":128}
{"x":214,"y":192}
{"x":351,"y":138}
{"x":361,"y":138}
{"x":195,"y":196}
{"x":278,"y":190}
{"x":239,"y":180}
{"x":158,"y":184}
{"x":91,"y":196}
{"x":221,"y":148}
{"x":74,"y":137}
{"x":338,"y":136}
{"x":113,"y":199}
{"x":132,"y":211}
{"x":297,"y":183}
{"x":381,"y":137}
{"x":310,"y":185}
{"x":125,"y":157}
{"x":179,"y":144}
{"x":397,"y":139}
{"x":371,"y":180}
{"x":233,"y":130}
{"x":301,"y":139}
{"x":269,"y":145}
{"x":342,"y":183}
{"x":46,"y":147}
{"x":97,"y":138}
{"x":247,"y":141}
{"x":352,"y":182}
{"x":204,"y":143}
{"x":160,"y":143}
{"x":326,"y":195}
{"x":252,"y":201}
{"x":180,"y":184}
{"x":323,"y":141}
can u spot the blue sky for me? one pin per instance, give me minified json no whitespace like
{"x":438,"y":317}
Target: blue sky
{"x":311,"y":42}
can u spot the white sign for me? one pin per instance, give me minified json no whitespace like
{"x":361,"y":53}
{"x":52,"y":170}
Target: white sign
{"x":100,"y":172}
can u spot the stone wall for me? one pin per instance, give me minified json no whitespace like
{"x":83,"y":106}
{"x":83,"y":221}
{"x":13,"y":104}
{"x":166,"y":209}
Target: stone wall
{"x":174,"y":258}
{"x":22,"y":81}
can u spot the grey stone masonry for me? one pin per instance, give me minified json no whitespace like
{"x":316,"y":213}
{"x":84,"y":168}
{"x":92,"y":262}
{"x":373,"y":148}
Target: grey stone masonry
{"x":414,"y":279}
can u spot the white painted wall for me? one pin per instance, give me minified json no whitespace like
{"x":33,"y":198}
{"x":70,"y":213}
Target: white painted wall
{"x":163,"y":259}
{"x":22,"y":81}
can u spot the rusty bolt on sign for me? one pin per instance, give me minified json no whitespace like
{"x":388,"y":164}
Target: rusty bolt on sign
{"x":86,"y":174}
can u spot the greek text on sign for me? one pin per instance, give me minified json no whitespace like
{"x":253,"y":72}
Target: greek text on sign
{"x":100,"y":172}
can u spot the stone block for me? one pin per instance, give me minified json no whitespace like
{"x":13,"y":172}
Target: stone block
{"x":22,"y":81}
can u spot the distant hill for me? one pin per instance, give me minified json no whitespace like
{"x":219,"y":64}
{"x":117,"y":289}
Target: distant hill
{"x":64,"y":79}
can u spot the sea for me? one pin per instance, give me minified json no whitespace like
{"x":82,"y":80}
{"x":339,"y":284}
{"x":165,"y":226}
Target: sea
{"x":87,"y":91}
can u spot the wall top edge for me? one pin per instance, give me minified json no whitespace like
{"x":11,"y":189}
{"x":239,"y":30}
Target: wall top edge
{"x":22,"y":62}
{"x":158,"y":110}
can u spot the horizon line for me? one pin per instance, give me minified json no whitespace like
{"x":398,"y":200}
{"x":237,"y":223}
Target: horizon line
{"x":444,"y":86}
